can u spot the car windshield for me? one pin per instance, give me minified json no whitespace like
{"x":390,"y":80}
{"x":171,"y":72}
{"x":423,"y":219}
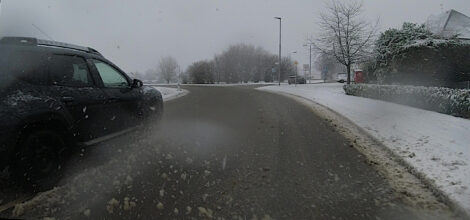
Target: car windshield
{"x":235,"y":109}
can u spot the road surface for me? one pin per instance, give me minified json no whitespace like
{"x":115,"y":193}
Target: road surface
{"x":223,"y":152}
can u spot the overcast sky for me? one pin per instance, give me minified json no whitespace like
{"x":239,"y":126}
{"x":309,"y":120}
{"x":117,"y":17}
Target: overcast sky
{"x":136,"y":34}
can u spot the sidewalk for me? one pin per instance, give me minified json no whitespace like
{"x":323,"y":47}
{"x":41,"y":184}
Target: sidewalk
{"x":435,"y":145}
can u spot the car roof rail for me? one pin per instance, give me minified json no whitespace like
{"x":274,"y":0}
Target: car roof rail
{"x":40,"y":42}
{"x":18,"y":40}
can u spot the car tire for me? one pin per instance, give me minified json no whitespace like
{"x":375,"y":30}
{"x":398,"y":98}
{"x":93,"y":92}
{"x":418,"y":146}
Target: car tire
{"x":38,"y":161}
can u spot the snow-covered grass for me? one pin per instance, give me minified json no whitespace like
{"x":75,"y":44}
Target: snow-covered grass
{"x":251,"y":83}
{"x":435,"y":145}
{"x":261,"y":83}
{"x":233,"y":84}
{"x":171,"y":93}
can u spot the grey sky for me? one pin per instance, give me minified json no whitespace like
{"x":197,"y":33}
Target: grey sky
{"x":136,"y":34}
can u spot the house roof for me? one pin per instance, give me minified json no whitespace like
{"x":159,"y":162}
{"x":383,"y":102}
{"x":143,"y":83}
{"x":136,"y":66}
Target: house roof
{"x":450,"y":23}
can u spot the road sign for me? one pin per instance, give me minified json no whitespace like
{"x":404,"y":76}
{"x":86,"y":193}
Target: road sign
{"x":306,"y":67}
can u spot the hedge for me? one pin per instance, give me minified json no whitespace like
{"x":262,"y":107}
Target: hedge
{"x":430,"y":62}
{"x":454,"y":102}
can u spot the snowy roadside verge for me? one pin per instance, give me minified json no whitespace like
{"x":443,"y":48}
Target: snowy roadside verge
{"x":222,"y":84}
{"x":434,"y":146}
{"x":219,"y":84}
{"x":210,"y":84}
{"x":253,"y":83}
{"x":171,"y":93}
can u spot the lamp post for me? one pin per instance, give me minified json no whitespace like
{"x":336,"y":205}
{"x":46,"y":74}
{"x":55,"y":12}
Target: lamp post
{"x":295,"y":69}
{"x":280,"y":28}
{"x":310,"y":65}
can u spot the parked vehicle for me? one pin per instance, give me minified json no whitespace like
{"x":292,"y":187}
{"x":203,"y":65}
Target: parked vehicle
{"x":341,"y":77}
{"x":298,"y":80}
{"x":55,"y":95}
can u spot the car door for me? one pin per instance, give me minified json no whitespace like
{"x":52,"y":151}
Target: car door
{"x":73,"y":85}
{"x":120,"y":94}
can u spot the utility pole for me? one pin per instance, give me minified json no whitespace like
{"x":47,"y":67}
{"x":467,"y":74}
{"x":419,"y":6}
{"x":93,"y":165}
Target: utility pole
{"x":310,"y":65}
{"x":280,"y":59}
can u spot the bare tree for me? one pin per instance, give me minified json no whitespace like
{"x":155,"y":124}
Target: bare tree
{"x":167,"y":68}
{"x":244,"y":63}
{"x":345,"y":35}
{"x":201,"y":72}
{"x":150,"y":74}
{"x":328,"y":66}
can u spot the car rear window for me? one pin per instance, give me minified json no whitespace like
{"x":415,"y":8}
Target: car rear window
{"x":24,"y":65}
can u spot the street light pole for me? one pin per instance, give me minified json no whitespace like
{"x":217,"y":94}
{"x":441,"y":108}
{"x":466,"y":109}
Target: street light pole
{"x":295,"y":69}
{"x":280,"y":59}
{"x":310,"y":65}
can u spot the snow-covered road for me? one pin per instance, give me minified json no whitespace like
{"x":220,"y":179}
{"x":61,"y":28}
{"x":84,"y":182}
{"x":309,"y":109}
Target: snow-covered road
{"x":435,"y":145}
{"x":238,"y":154}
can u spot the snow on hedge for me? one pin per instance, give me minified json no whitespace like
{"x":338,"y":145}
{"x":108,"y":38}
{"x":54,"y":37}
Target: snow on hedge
{"x":414,"y":54}
{"x":444,"y":100}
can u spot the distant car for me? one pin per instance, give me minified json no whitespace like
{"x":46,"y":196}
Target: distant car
{"x":341,"y":77}
{"x":55,"y":95}
{"x":299,"y":80}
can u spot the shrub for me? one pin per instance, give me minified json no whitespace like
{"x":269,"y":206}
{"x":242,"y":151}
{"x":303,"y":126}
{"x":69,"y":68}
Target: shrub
{"x":432,"y":62}
{"x":414,"y":56}
{"x":454,"y":102}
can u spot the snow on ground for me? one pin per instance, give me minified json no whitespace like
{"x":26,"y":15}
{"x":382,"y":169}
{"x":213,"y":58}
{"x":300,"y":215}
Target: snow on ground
{"x":171,"y":93}
{"x":220,"y":84}
{"x":435,"y":145}
{"x":233,"y":84}
{"x":237,"y":84}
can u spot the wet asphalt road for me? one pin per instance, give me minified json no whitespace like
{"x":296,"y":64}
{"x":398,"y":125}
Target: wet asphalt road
{"x":224,"y":152}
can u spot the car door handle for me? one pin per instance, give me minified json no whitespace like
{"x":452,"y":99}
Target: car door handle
{"x":67,"y":99}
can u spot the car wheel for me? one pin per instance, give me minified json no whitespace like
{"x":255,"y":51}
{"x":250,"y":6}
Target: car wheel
{"x":38,"y":160}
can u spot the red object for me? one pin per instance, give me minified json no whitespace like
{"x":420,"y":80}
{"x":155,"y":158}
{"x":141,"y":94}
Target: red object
{"x":359,"y":77}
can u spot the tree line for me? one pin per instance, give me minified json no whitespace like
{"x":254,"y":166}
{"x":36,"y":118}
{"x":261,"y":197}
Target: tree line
{"x":239,"y":63}
{"x":167,"y":70}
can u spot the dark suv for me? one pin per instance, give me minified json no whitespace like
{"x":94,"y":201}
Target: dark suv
{"x":55,"y":95}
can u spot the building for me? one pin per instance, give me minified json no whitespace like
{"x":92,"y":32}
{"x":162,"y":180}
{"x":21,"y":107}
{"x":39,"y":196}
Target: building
{"x":450,"y":23}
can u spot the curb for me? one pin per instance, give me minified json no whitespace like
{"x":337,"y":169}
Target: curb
{"x":443,"y":197}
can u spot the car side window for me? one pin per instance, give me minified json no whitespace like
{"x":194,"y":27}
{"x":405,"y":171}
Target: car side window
{"x":71,"y":71}
{"x":111,"y":77}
